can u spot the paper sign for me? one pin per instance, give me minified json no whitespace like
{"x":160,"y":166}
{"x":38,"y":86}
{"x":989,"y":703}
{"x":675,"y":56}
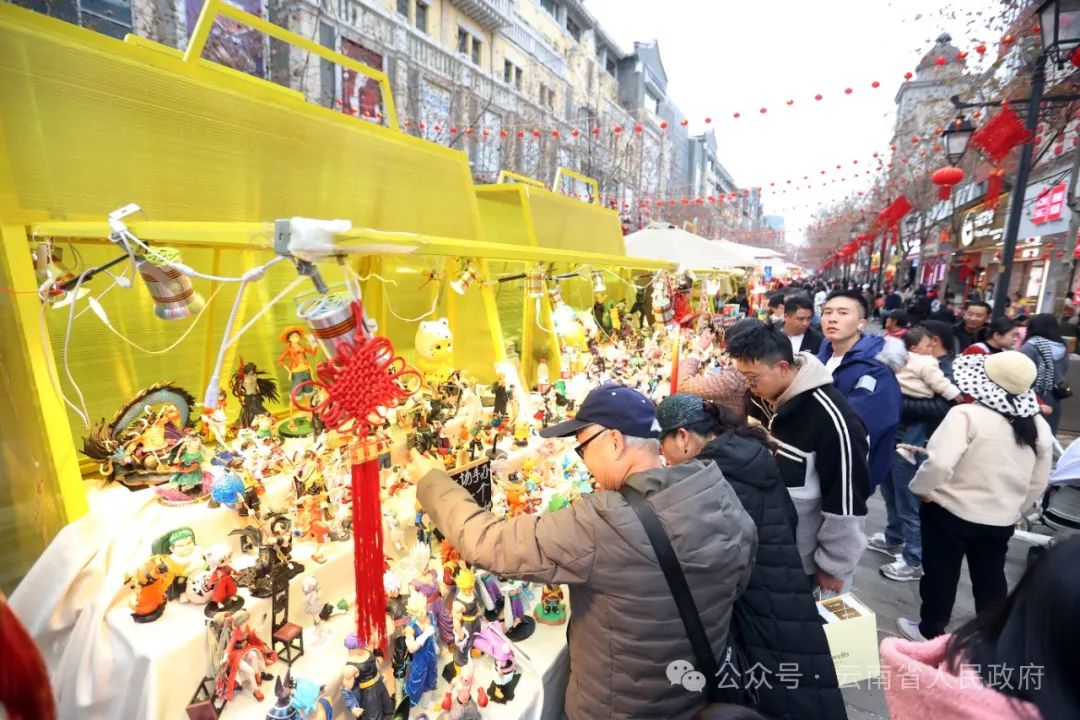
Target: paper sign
{"x":476,"y":478}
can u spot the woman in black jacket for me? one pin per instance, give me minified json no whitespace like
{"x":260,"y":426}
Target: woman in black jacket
{"x":775,"y":623}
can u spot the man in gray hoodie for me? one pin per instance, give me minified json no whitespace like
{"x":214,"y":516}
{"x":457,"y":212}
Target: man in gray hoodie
{"x":625,"y":632}
{"x":822,"y":453}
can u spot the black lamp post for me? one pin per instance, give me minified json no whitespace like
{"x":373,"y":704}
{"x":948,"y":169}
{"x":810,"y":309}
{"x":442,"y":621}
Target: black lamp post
{"x":956,"y":137}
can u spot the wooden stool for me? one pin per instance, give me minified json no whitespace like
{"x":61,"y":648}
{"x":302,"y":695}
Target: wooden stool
{"x":288,"y":642}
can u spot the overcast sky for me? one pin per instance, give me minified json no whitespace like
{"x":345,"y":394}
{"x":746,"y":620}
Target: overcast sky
{"x":727,"y":56}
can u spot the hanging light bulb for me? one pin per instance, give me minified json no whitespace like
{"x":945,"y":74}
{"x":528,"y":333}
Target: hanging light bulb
{"x":331,"y":318}
{"x":465,"y":279}
{"x":174,"y":296}
{"x":598,"y":284}
{"x":712,"y":285}
{"x":52,"y":273}
{"x":554,"y":296}
{"x":534,"y":283}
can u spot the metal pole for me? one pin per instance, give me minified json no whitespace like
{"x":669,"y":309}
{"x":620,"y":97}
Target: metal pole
{"x":881,"y":259}
{"x":1016,"y":208}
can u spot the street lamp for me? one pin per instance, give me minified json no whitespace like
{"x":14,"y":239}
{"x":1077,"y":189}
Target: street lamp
{"x":955,"y":138}
{"x":1059,"y":21}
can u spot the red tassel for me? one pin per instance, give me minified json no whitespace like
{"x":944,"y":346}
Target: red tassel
{"x":944,"y":192}
{"x":368,"y":551}
{"x":24,"y":683}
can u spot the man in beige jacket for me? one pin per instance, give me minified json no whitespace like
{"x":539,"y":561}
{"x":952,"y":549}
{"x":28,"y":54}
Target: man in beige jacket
{"x":625,"y":629}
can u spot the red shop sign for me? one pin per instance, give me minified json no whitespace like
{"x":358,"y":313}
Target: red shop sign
{"x":1049,"y":205}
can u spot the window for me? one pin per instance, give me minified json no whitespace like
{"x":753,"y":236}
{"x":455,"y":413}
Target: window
{"x":547,"y":97}
{"x":403,"y":8}
{"x":469,"y":45}
{"x":512,"y":74}
{"x":462,"y":42}
{"x":652,"y":101}
{"x":551,"y":6}
{"x":574,"y":29}
{"x":476,"y":51}
{"x":611,"y":67}
{"x":421,"y":16}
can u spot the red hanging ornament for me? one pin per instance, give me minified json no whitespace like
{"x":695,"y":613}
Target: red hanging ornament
{"x":708,"y":120}
{"x":438,"y":128}
{"x":908,"y":75}
{"x":453,"y":130}
{"x":736,"y":116}
{"x":790,"y":103}
{"x":1008,"y":39}
{"x":939,"y":61}
{"x":1000,"y":134}
{"x":468,"y":131}
{"x":945,"y":178}
{"x":848,"y":91}
{"x":407,"y":122}
{"x":423,"y":126}
{"x":1074,"y":58}
{"x":817,"y":97}
{"x":961,"y":56}
{"x":617,"y":129}
{"x":520,"y":134}
{"x":503,"y":133}
{"x":875,"y":84}
{"x":980,"y":48}
{"x":360,"y":381}
{"x":575,"y":132}
{"x":638,"y":129}
{"x":484,"y":132}
{"x":596,"y":131}
{"x":663,"y":125}
{"x":763,"y":110}
{"x":684,"y":122}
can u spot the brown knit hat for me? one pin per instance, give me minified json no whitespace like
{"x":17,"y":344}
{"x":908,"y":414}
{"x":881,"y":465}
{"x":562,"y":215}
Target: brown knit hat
{"x":724,"y":388}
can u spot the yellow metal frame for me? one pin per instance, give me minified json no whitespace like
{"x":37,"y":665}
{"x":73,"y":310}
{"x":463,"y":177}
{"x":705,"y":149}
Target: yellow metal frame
{"x":514,"y":177}
{"x":580,"y":178}
{"x":212,"y":8}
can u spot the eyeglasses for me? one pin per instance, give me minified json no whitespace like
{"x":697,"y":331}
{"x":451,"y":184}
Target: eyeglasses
{"x":580,"y":449}
{"x":752,"y":380}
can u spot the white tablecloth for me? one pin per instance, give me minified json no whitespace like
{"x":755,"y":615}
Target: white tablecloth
{"x":104,"y":665}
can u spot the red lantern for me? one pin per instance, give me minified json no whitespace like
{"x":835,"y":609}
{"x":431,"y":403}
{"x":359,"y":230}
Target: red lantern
{"x":638,"y":129}
{"x":763,"y":110}
{"x":663,"y":125}
{"x":484,"y":132}
{"x":596,"y":131}
{"x":407,"y":122}
{"x":708,"y":120}
{"x":908,"y":76}
{"x":790,"y":103}
{"x":575,"y":132}
{"x":617,"y":129}
{"x":554,"y":133}
{"x":980,"y":48}
{"x":503,"y":133}
{"x":468,"y":131}
{"x":940,"y":61}
{"x":736,"y":116}
{"x":848,"y":91}
{"x":423,"y":126}
{"x":684,"y":122}
{"x":438,"y":128}
{"x":536,"y":133}
{"x":961,"y":56}
{"x":453,"y":129}
{"x":875,"y":84}
{"x":520,"y":134}
{"x":945,"y":178}
{"x":1075,"y":57}
{"x":817,"y":97}
{"x":1008,"y":39}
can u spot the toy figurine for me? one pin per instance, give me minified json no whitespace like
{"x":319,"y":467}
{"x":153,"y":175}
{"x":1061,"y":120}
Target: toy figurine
{"x":215,"y":421}
{"x":244,"y":663}
{"x":465,"y":613}
{"x":229,"y":489}
{"x":502,"y":398}
{"x":319,"y":611}
{"x":551,"y":610}
{"x":397,"y":616}
{"x":282,"y":539}
{"x":420,"y":642}
{"x":188,"y":454}
{"x":362,"y":688}
{"x":222,"y":582}
{"x":309,"y":699}
{"x":283,"y":708}
{"x":458,"y":701}
{"x":294,"y":357}
{"x":149,"y":582}
{"x":490,"y":593}
{"x":311,"y":525}
{"x":185,"y":558}
{"x":434,"y":346}
{"x":252,"y":387}
{"x":493,"y":642}
{"x":519,"y":626}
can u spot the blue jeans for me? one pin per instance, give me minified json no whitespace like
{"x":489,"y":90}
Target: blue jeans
{"x":901,"y":505}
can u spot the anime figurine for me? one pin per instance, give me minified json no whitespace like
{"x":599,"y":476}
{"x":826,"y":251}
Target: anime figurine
{"x":396,"y":615}
{"x":420,"y":642}
{"x":311,"y":525}
{"x":493,"y":642}
{"x":150,"y":583}
{"x":243,"y":664}
{"x":314,"y":606}
{"x":519,"y":626}
{"x":362,"y":688}
{"x":215,"y":421}
{"x":551,"y":610}
{"x":222,"y":582}
{"x":491,"y":595}
{"x":309,"y":699}
{"x":283,"y":708}
{"x":229,"y":489}
{"x":188,"y":457}
{"x":294,"y":358}
{"x":465,"y":613}
{"x":502,"y":398}
{"x":458,"y":701}
{"x":252,"y":387}
{"x":185,"y":558}
{"x":282,"y":539}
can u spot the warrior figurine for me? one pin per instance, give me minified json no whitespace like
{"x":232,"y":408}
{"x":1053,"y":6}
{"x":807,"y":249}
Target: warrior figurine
{"x":362,"y":688}
{"x":252,"y":386}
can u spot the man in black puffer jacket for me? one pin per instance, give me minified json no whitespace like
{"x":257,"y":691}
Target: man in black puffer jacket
{"x":775,"y":622}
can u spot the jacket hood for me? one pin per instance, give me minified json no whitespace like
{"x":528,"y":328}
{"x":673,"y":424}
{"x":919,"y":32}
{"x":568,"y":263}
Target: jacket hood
{"x":920,"y":684}
{"x":812,"y":374}
{"x":888,"y":351}
{"x":658,"y":479}
{"x":742,"y":457}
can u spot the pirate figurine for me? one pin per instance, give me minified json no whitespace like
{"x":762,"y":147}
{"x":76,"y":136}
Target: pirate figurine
{"x":294,"y":357}
{"x":252,"y":387}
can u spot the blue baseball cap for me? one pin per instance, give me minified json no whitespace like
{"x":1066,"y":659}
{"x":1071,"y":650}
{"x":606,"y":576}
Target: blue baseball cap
{"x":615,"y":407}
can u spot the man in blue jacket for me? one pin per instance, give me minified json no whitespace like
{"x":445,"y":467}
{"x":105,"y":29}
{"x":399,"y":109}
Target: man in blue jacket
{"x":858,"y":366}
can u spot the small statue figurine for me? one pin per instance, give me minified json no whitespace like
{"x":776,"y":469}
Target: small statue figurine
{"x":319,"y":611}
{"x":458,"y":701}
{"x":222,"y":582}
{"x":189,"y":459}
{"x":397,"y":615}
{"x":244,"y":663}
{"x":465,"y":613}
{"x":309,"y":699}
{"x":551,"y":610}
{"x":251,"y":386}
{"x":150,"y":583}
{"x":311,"y":525}
{"x":420,"y":642}
{"x":494,"y":643}
{"x":215,"y":421}
{"x":502,"y":397}
{"x":362,"y":688}
{"x":519,"y":626}
{"x":294,"y":357}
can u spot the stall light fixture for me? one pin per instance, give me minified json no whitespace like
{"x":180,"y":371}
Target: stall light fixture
{"x":465,"y":278}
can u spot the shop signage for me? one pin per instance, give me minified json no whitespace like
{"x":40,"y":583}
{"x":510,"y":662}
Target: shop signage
{"x":476,"y":478}
{"x":1029,"y":249}
{"x":979,"y":225}
{"x":1050,"y":205}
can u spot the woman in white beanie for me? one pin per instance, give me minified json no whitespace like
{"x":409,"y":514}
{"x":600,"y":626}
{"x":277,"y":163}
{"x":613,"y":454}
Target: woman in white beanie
{"x":986,"y":462}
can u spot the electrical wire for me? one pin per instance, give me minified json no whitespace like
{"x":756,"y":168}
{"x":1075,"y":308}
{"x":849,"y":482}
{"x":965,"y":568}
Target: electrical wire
{"x":158,"y":258}
{"x":183,"y":336}
{"x":386,"y":299}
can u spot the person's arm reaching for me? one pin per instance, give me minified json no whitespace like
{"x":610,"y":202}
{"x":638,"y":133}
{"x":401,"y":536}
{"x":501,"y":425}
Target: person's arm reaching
{"x":555,"y":548}
{"x":933,"y":376}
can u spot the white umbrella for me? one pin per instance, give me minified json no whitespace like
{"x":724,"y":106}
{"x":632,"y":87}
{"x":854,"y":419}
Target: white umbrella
{"x":663,"y":241}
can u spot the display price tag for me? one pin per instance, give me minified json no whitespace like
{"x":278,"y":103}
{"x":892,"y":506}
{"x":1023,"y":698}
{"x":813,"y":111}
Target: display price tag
{"x":476,"y":478}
